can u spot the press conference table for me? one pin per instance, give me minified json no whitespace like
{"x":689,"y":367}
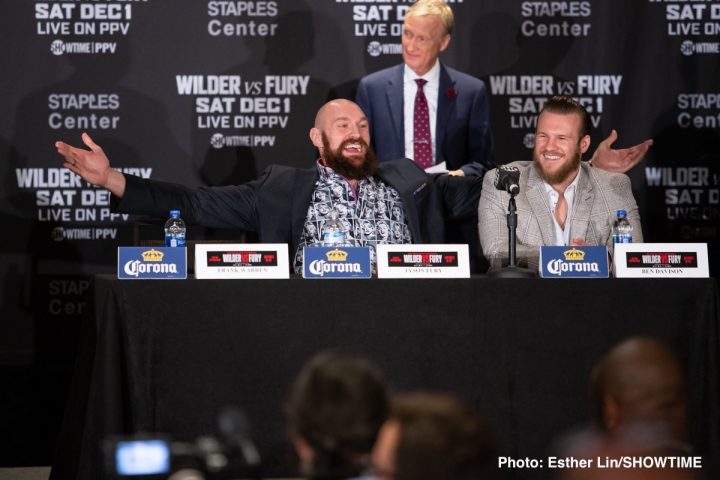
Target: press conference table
{"x":164,"y":356}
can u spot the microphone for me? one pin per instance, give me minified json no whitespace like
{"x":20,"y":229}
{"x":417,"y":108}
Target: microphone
{"x":507,"y":178}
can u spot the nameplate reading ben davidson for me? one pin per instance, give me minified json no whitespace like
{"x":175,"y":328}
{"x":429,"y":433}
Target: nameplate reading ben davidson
{"x":661,"y":260}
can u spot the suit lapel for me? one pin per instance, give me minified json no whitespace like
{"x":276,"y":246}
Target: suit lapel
{"x":582,"y":207}
{"x":411,"y":194}
{"x":537,"y":197}
{"x":446,"y":104}
{"x":394,"y":94}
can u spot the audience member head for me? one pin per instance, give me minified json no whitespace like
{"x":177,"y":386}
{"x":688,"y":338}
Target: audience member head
{"x":342,"y":136}
{"x":426,"y":32}
{"x":561,"y":137}
{"x":434,"y":436}
{"x":640,"y":381}
{"x":609,"y":455}
{"x":336,"y":407}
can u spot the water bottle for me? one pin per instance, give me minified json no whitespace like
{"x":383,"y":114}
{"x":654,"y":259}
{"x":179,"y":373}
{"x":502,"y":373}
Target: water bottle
{"x":332,"y":231}
{"x":622,"y":230}
{"x":175,"y":230}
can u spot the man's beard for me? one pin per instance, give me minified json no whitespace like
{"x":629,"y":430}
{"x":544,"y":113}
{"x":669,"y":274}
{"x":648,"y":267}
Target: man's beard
{"x":569,"y":167}
{"x":345,"y":166}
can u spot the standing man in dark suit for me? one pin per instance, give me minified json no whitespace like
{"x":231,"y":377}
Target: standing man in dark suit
{"x":427,"y":112}
{"x":456,"y":104}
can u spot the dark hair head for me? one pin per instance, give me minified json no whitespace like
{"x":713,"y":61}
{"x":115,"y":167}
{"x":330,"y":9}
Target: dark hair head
{"x":337,"y":404}
{"x":567,"y":106}
{"x":442,"y":437}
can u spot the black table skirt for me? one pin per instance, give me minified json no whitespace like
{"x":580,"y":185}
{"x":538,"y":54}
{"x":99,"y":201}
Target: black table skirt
{"x":165,"y":356}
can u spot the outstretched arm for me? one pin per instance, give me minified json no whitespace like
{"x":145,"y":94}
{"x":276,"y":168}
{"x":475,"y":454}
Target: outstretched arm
{"x":621,"y":160}
{"x":92,"y":165}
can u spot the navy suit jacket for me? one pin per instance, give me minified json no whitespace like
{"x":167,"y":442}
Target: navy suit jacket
{"x":276,"y":204}
{"x":463,"y":138}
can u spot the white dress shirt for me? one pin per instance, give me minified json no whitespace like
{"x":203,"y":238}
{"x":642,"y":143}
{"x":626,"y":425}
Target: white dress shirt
{"x":562,"y":236}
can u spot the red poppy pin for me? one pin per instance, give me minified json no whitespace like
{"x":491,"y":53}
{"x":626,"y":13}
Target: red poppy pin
{"x":452,"y":92}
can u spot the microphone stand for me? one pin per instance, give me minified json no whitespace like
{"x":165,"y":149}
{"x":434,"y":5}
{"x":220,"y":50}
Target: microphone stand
{"x":512,"y":270}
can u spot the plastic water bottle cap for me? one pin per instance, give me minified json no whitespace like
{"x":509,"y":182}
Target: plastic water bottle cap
{"x":621,"y":214}
{"x":174,"y":213}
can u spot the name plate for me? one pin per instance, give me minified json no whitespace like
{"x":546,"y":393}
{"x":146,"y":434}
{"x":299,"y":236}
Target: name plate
{"x":661,"y":260}
{"x":241,"y":260}
{"x":574,"y":262}
{"x":154,"y":263}
{"x":423,"y":261}
{"x":336,"y":262}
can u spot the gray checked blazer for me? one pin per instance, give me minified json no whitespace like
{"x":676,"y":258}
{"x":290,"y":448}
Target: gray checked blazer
{"x":598,"y":197}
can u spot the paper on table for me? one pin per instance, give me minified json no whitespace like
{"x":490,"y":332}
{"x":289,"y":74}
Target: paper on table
{"x":438,"y":168}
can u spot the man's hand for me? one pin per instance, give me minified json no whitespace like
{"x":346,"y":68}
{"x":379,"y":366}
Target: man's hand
{"x":620,"y":160}
{"x":578,"y":242}
{"x":456,"y":173}
{"x":92,"y":165}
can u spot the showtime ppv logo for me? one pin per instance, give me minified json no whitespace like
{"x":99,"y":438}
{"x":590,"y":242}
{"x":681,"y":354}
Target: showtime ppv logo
{"x":375,"y":49}
{"x":688,"y":47}
{"x":218,"y":140}
{"x":88,"y":19}
{"x":58,"y":47}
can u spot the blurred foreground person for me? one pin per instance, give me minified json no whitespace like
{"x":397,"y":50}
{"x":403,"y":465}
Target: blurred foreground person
{"x":336,"y":407}
{"x":431,"y":436}
{"x":638,"y":451}
{"x":640,"y":380}
{"x":639,"y":402}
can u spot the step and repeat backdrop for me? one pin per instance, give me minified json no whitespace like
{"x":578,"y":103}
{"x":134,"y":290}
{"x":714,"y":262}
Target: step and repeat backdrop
{"x":210,"y":92}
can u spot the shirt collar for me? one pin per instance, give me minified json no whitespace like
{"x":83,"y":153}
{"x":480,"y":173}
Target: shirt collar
{"x":432,"y":76}
{"x":328,"y":174}
{"x":571,"y":187}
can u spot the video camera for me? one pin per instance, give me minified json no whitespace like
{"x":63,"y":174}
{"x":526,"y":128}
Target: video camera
{"x":155,"y":457}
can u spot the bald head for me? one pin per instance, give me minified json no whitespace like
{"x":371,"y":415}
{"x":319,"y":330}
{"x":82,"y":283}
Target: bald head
{"x":640,"y":380}
{"x":335,"y":108}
